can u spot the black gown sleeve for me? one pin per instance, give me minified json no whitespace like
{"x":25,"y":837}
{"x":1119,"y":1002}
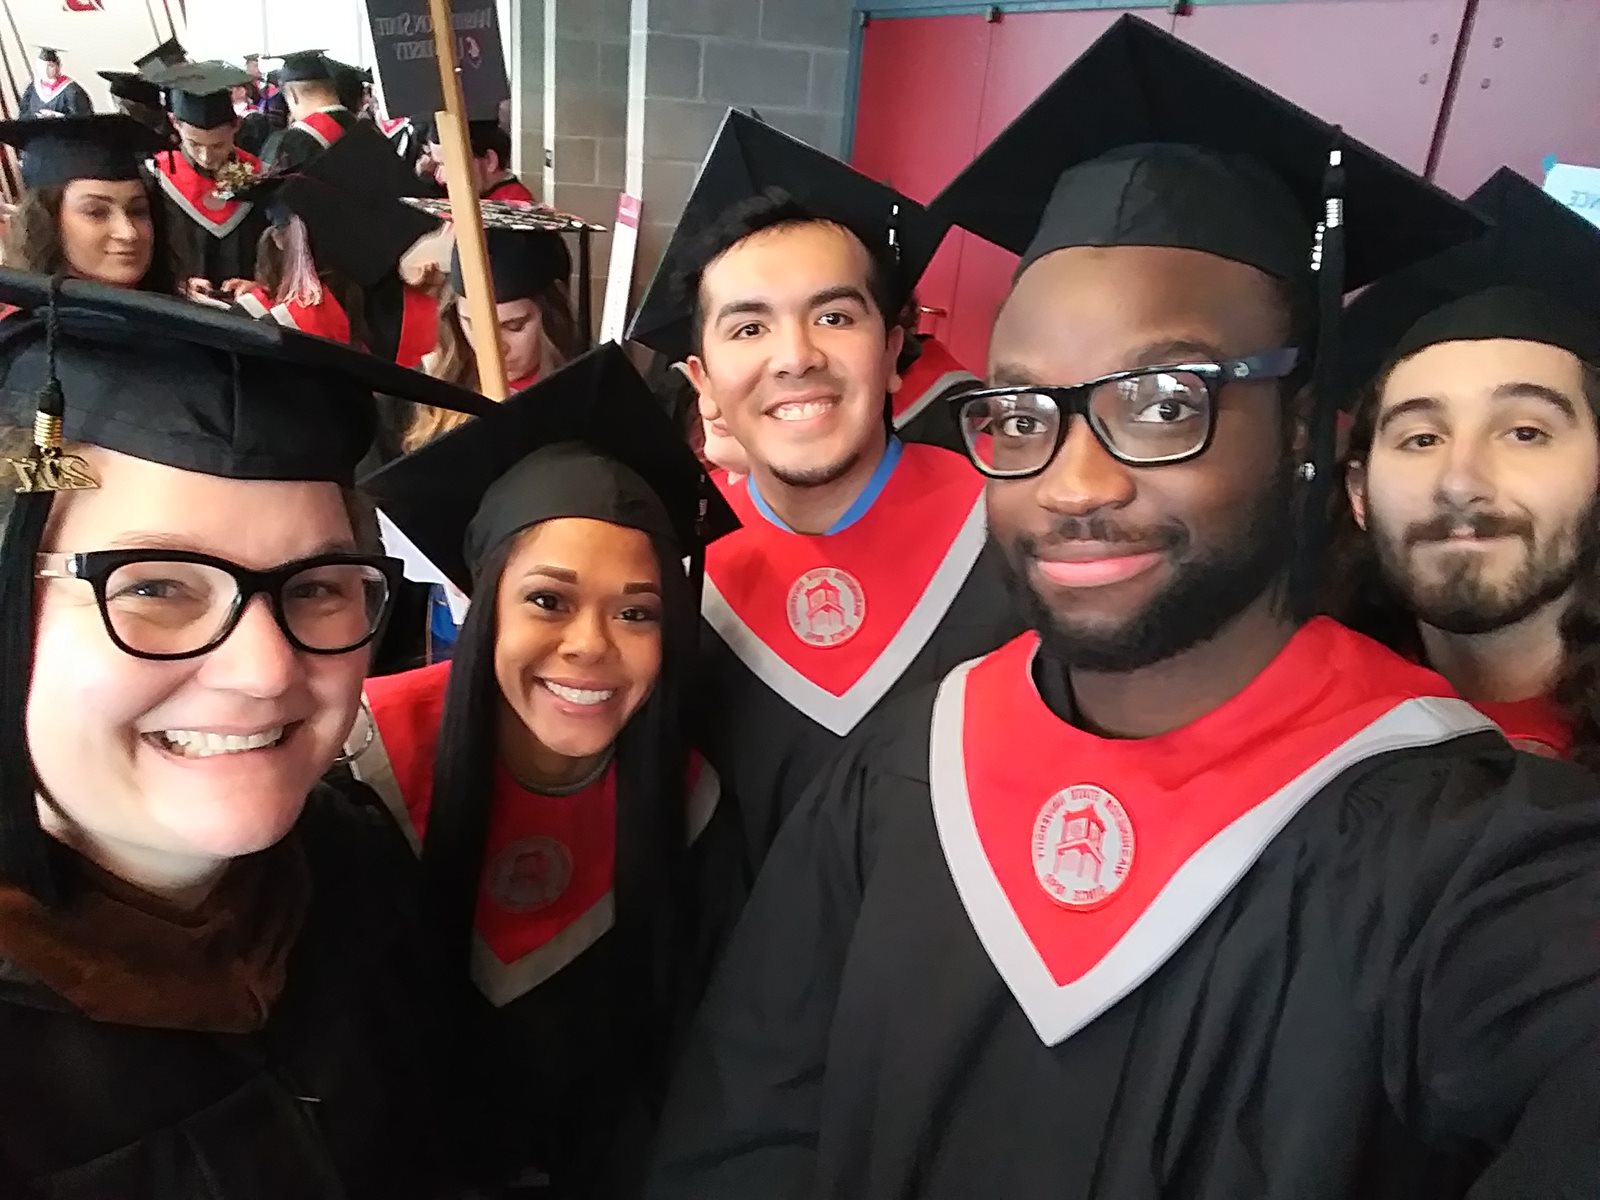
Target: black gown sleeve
{"x":1488,"y":917}
{"x":743,"y":1112}
{"x":75,"y":101}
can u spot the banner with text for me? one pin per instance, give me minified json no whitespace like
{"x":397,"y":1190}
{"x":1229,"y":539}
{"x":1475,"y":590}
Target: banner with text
{"x":408,"y":69}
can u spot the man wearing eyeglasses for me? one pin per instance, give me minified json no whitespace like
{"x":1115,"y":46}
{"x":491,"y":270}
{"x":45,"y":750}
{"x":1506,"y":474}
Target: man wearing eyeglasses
{"x":1181,"y":895}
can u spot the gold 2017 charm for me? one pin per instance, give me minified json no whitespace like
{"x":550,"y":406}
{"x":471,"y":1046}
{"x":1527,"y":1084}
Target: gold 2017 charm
{"x":53,"y":471}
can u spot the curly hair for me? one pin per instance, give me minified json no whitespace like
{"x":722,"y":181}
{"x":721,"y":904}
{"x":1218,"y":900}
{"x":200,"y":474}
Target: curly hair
{"x":1363,"y":598}
{"x":33,"y":239}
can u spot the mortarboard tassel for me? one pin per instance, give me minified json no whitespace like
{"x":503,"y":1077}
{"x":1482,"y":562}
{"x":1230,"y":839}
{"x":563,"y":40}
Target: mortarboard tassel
{"x":24,"y":846}
{"x":1328,"y":261}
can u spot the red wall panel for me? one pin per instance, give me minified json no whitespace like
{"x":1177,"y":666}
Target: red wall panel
{"x":1530,"y":87}
{"x":1377,"y":67}
{"x":1027,"y":52}
{"x":917,"y":120}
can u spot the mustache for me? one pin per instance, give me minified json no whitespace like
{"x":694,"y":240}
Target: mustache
{"x":1449,"y":521}
{"x":1067,"y":530}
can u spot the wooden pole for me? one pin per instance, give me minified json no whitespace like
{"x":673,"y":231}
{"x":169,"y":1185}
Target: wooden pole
{"x":465,"y":214}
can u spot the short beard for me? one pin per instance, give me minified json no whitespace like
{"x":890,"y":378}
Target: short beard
{"x":1207,"y":592}
{"x":1464,"y":603}
{"x":817,"y":476}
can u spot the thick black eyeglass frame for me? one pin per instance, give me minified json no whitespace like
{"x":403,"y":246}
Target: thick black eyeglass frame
{"x":1073,"y":401}
{"x":97,"y":566}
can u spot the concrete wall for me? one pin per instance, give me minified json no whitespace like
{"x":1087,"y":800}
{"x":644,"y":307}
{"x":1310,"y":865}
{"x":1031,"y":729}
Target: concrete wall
{"x":693,"y":59}
{"x":585,"y":54}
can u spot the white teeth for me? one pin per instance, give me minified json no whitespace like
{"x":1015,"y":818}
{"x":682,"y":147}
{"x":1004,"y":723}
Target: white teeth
{"x":579,"y":695}
{"x":194,"y":743}
{"x":801,"y":412}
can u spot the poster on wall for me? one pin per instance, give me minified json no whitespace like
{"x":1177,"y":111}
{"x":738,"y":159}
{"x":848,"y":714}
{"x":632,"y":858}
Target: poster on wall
{"x":619,"y":280}
{"x":1578,"y":187}
{"x":404,"y":54}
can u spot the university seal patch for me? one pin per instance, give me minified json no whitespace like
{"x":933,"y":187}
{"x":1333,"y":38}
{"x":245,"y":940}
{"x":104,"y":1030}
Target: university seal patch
{"x":1083,"y":846}
{"x":826,"y":607}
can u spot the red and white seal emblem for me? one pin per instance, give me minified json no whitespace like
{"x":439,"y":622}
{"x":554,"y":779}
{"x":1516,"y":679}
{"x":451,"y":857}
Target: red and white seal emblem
{"x":1082,"y":846}
{"x":826,"y":607}
{"x":530,"y":874}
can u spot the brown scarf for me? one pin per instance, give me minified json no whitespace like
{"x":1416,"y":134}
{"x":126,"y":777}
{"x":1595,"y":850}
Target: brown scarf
{"x":123,"y":956}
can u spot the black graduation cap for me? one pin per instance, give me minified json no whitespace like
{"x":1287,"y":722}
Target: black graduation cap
{"x":749,"y":157}
{"x":573,"y":445}
{"x":521,"y":264}
{"x":1534,"y":276}
{"x":200,"y":94}
{"x":1146,"y":141}
{"x":167,"y":54}
{"x":159,"y":378}
{"x":103,"y":146}
{"x":306,"y":66}
{"x":132,"y":87}
{"x":49,"y":54}
{"x":348,"y":197}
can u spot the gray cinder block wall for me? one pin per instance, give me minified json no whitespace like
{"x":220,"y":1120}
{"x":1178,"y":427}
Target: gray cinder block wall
{"x":613,"y":94}
{"x":693,"y":59}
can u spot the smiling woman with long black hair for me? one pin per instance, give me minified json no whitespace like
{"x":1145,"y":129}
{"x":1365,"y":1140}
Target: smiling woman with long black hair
{"x":580,"y":867}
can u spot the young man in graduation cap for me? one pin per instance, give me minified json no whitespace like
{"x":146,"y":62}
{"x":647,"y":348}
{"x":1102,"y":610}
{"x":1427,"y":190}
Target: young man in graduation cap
{"x":317,"y":116}
{"x":860,"y":571}
{"x":52,"y":93}
{"x":491,"y":162}
{"x":1474,"y":472}
{"x":215,"y":233}
{"x":1178,"y":896}
{"x":135,"y":96}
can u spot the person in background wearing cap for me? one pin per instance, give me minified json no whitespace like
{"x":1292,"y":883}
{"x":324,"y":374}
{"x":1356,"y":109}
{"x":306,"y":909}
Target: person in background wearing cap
{"x":578,"y":863}
{"x":538,"y":332}
{"x":930,"y":378}
{"x":87,"y":208}
{"x":860,"y":571}
{"x":491,"y":162}
{"x":214,"y":232}
{"x":52,"y":93}
{"x":329,"y":264}
{"x":212,"y":984}
{"x":317,"y":116}
{"x":135,"y":96}
{"x":1181,"y":895}
{"x":1474,"y":469}
{"x":253,"y":128}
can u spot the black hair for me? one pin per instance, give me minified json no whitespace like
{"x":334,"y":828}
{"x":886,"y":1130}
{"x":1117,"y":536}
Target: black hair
{"x":1364,"y":598}
{"x":773,"y":208}
{"x":651,"y":761}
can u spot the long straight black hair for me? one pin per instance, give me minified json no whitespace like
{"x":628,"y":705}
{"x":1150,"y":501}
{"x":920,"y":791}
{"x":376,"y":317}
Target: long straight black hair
{"x":651,"y":762}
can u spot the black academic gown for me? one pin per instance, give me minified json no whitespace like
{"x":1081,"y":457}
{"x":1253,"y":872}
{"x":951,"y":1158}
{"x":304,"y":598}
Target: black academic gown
{"x":807,"y":635}
{"x":922,"y":408}
{"x":213,"y":238}
{"x":292,"y":148}
{"x":332,"y":1100}
{"x":568,"y":1081}
{"x":69,"y":100}
{"x":1335,"y":941}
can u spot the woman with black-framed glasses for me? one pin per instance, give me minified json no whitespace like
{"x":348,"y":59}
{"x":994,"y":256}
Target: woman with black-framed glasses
{"x":211,"y":983}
